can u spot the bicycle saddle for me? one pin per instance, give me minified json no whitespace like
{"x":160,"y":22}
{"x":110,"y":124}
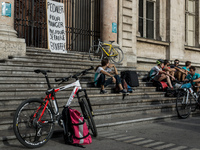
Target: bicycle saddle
{"x":111,"y":41}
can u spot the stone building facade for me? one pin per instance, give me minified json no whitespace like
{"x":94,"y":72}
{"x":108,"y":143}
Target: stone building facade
{"x":159,"y":29}
{"x":147,"y":30}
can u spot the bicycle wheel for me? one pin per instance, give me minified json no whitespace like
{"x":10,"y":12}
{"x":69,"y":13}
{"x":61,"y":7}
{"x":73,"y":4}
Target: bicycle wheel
{"x":27,"y":129}
{"x":183,"y":107}
{"x":95,"y":53}
{"x":88,"y":116}
{"x":117,"y":55}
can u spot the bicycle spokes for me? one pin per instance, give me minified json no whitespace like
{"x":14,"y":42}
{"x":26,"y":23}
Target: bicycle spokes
{"x":29,"y":129}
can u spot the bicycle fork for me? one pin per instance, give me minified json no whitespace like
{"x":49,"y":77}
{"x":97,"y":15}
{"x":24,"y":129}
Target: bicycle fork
{"x":186,"y":97}
{"x":87,"y":99}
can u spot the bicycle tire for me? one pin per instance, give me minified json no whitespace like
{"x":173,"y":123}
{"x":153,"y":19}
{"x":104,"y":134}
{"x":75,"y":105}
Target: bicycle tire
{"x":183,"y":109}
{"x":88,"y":116}
{"x":95,"y":53}
{"x":28,"y":131}
{"x":119,"y":58}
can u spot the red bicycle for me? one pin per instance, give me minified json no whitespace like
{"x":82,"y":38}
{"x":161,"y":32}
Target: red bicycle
{"x":34,"y":119}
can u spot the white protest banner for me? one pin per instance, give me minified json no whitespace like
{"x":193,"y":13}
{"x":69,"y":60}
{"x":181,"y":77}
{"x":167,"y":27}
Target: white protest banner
{"x":56,"y":27}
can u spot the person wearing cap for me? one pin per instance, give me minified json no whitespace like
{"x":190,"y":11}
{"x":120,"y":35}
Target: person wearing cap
{"x":157,"y":74}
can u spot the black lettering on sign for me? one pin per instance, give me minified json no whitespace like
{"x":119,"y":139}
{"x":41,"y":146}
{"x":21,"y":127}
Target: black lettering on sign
{"x":57,"y":46}
{"x":56,"y":24}
{"x":53,"y":8}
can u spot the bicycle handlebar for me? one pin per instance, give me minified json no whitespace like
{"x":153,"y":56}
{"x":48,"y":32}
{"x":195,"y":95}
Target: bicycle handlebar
{"x":42,"y":71}
{"x":74,"y":76}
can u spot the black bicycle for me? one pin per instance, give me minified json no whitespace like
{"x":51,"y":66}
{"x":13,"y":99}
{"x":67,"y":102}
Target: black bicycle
{"x":187,"y":101}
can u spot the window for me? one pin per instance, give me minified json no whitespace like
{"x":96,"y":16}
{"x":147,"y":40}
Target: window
{"x":147,"y":18}
{"x":190,"y":15}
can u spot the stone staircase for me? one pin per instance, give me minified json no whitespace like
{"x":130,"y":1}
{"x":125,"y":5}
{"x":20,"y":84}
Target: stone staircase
{"x":19,"y":82}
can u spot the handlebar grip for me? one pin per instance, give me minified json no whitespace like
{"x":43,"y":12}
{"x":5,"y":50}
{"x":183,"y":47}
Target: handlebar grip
{"x":56,"y":80}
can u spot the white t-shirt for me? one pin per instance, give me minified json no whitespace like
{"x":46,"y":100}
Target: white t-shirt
{"x":154,"y":71}
{"x":98,"y":73}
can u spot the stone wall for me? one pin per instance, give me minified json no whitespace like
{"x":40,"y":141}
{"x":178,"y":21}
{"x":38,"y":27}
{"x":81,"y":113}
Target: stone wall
{"x":169,"y":42}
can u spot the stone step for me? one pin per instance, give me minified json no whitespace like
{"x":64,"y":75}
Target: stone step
{"x":46,"y":51}
{"x":8,"y":110}
{"x":8,"y":135}
{"x":29,"y":67}
{"x":134,"y":120}
{"x":111,"y":99}
{"x":62,"y":60}
{"x":103,"y":115}
{"x":46,"y":58}
{"x":15,"y":86}
{"x":9,"y":104}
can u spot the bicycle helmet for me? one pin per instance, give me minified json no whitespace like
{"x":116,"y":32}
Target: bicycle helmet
{"x":159,"y":61}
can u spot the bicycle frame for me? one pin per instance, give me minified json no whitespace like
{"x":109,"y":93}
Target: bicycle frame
{"x":110,"y":48}
{"x":51,"y":95}
{"x":189,"y":92}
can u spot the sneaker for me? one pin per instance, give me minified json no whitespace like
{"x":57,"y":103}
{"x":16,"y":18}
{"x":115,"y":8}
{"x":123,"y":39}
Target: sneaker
{"x":124,"y":92}
{"x":103,"y":91}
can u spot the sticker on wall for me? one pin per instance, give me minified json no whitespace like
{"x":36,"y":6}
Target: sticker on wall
{"x":6,"y":9}
{"x":114,"y":27}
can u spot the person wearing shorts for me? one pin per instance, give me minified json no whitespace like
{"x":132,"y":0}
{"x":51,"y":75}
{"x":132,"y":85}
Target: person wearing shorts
{"x":157,"y":74}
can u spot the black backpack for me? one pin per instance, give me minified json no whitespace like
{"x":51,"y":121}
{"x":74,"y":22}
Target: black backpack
{"x":148,"y":77}
{"x":130,"y":77}
{"x":68,"y":131}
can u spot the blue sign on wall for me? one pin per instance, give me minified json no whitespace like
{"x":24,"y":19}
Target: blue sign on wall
{"x":6,"y":9}
{"x":114,"y":27}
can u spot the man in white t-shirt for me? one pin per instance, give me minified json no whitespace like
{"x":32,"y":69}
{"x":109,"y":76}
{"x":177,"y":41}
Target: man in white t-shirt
{"x":105,"y":70}
{"x":157,"y":74}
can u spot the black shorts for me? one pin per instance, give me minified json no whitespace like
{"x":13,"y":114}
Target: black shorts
{"x":157,"y":77}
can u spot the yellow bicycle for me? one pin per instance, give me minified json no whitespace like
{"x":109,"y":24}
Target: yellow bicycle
{"x":97,"y":52}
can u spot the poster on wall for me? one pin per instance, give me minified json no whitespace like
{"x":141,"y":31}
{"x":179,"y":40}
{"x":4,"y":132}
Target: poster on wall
{"x":114,"y":27}
{"x":56,"y":27}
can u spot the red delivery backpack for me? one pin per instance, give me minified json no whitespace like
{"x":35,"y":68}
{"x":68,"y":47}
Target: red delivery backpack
{"x":160,"y":85}
{"x":75,"y":128}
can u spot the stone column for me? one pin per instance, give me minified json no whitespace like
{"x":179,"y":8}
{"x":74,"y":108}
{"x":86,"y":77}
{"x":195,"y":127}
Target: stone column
{"x":109,"y":10}
{"x":9,"y":43}
{"x":175,"y":29}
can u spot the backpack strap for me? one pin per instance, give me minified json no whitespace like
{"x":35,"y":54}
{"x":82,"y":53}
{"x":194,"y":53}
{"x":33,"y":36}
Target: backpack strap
{"x":77,"y":124}
{"x":82,"y":137}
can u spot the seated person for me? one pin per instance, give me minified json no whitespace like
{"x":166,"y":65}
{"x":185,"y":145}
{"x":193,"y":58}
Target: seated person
{"x":167,"y":68}
{"x":178,"y":72}
{"x":186,"y":69}
{"x":157,"y":74}
{"x":104,"y":70}
{"x":194,"y":77}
